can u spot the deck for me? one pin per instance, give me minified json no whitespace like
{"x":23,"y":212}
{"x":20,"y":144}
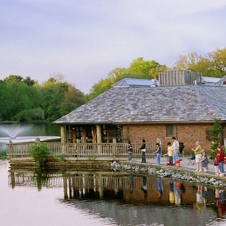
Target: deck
{"x":82,"y":150}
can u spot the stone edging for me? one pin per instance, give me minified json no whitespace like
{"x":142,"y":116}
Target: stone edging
{"x":182,"y":174}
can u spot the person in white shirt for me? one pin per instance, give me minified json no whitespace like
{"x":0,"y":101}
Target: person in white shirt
{"x":175,"y":147}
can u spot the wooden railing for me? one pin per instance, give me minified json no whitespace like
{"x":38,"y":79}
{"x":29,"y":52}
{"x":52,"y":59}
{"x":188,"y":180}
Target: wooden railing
{"x":82,"y":150}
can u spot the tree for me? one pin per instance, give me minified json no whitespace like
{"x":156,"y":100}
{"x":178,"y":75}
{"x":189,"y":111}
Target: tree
{"x":21,"y":98}
{"x":59,"y":98}
{"x":211,"y":65}
{"x":218,"y":63}
{"x":72,"y":100}
{"x":138,"y":69}
{"x":13,"y":78}
{"x":142,"y":69}
{"x":4,"y":103}
{"x":29,"y":81}
{"x":215,"y":137}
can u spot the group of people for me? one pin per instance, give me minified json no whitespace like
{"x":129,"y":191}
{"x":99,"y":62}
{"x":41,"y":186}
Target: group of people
{"x":142,"y":148}
{"x":173,"y":151}
{"x":201,"y":158}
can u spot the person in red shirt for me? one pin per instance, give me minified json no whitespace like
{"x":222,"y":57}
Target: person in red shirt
{"x":220,"y":160}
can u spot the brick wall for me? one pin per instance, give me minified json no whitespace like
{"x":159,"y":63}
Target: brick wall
{"x":186,"y":133}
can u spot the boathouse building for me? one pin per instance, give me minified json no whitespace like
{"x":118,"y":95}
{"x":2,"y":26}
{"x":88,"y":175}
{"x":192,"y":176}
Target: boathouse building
{"x":178,"y":105}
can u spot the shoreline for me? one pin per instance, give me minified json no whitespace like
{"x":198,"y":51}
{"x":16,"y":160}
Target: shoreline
{"x":186,"y":172}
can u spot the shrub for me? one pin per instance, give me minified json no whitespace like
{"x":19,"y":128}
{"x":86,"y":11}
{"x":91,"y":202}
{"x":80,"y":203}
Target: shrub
{"x":215,"y":137}
{"x":40,"y":153}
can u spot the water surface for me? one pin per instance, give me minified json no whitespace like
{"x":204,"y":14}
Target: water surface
{"x":75,"y":197}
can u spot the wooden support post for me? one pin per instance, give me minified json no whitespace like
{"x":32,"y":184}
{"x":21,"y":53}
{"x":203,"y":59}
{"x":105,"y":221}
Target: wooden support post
{"x":94,"y":135}
{"x":114,"y":147}
{"x":83,"y":135}
{"x":99,"y":138}
{"x":63,"y":134}
{"x":99,"y":135}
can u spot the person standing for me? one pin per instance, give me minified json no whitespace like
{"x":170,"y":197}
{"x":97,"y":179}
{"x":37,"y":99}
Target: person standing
{"x":216,"y":166}
{"x":143,"y":150}
{"x":175,"y":146}
{"x":130,"y":151}
{"x":198,"y":156}
{"x":220,"y":160}
{"x":170,"y":153}
{"x":204,"y":160}
{"x":158,"y":152}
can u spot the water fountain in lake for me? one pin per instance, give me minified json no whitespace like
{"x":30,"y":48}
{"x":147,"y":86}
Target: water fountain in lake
{"x":16,"y":134}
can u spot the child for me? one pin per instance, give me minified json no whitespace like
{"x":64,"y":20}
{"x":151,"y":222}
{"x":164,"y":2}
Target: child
{"x":130,"y":151}
{"x":216,"y":166}
{"x":204,"y":160}
{"x":170,"y":153}
{"x":158,"y":151}
{"x":220,"y":160}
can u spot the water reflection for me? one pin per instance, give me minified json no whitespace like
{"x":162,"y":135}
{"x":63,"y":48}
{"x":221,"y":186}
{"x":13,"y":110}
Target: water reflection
{"x":129,"y":199}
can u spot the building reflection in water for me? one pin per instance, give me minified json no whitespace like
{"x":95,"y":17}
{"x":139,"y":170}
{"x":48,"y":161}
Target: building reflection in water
{"x":124,"y":188}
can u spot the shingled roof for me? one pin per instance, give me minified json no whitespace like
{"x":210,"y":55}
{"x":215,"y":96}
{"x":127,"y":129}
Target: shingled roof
{"x":152,"y":105}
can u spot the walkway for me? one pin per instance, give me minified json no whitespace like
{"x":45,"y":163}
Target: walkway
{"x":184,"y":164}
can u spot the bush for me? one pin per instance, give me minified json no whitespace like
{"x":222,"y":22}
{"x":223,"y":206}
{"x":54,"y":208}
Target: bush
{"x":40,"y":153}
{"x":215,"y":137}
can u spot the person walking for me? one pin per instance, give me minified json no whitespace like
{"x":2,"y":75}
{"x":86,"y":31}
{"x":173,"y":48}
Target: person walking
{"x":175,"y":146}
{"x":130,"y":151}
{"x":158,"y":152}
{"x":220,"y":160}
{"x":198,"y":156}
{"x":143,"y":150}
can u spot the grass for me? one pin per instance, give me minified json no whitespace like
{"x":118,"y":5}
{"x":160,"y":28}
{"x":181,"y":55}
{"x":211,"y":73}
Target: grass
{"x":159,"y":168}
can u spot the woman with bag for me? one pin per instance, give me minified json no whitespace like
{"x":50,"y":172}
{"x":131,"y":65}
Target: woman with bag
{"x":130,"y":151}
{"x":143,"y":150}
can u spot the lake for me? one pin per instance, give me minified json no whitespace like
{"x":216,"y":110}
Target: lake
{"x":86,"y":197}
{"x":28,"y":129}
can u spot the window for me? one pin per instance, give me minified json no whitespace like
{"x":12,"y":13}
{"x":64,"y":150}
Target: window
{"x":208,"y":135}
{"x":169,"y":131}
{"x":109,"y":132}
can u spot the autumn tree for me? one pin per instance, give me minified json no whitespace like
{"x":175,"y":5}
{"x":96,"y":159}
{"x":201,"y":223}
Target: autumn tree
{"x":211,"y":65}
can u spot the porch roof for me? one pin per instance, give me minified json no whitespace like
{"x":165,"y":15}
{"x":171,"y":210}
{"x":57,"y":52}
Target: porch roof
{"x":152,"y":105}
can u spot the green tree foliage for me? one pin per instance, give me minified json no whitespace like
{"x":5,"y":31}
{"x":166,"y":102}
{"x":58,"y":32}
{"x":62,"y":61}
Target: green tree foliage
{"x":211,"y":65}
{"x":139,"y":68}
{"x":215,"y":137}
{"x":59,"y":98}
{"x":29,"y":81}
{"x":17,"y":78}
{"x":23,"y":101}
{"x":13,"y":78}
{"x":73,"y":98}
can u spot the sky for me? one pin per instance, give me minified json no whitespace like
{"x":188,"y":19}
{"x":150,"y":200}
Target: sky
{"x":84,"y":40}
